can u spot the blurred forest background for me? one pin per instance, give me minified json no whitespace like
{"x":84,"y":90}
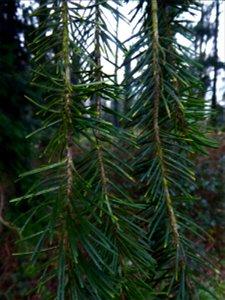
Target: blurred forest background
{"x":18,"y":154}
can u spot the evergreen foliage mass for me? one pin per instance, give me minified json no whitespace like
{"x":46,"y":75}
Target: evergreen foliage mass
{"x":111,"y":202}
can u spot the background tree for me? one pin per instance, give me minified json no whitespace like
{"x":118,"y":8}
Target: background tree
{"x":14,"y":84}
{"x":15,"y":122}
{"x":206,"y":51}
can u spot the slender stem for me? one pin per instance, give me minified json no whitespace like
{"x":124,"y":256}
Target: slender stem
{"x":2,"y":220}
{"x":67,"y":99}
{"x":159,"y":151}
{"x":98,"y":77}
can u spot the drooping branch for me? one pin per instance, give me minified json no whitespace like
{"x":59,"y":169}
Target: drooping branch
{"x":67,"y":99}
{"x":159,"y":151}
{"x":98,"y":78}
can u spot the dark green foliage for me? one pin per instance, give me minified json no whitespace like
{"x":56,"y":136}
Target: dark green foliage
{"x":90,"y":228}
{"x":107,"y":201}
{"x":166,"y":117}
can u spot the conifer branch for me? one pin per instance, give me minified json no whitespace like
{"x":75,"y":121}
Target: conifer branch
{"x":159,"y":151}
{"x":98,"y":77}
{"x":67,"y":99}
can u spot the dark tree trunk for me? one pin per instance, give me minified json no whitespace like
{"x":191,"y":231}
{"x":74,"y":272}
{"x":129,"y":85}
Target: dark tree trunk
{"x":216,"y":29}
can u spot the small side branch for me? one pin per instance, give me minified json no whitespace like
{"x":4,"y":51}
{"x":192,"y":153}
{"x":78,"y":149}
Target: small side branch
{"x":2,"y":220}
